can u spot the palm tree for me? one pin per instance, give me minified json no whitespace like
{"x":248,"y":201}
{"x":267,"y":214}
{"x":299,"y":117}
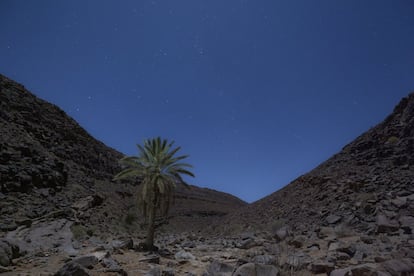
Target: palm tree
{"x":159,"y":170}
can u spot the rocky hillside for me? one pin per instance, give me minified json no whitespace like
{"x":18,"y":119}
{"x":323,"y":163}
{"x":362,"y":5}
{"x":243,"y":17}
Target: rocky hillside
{"x":61,"y":214}
{"x":48,"y":164}
{"x":355,"y":208}
{"x":374,"y":174}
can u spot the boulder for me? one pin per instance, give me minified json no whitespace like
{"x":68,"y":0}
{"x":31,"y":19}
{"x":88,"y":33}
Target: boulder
{"x":384,"y":225}
{"x":217,"y":268}
{"x":251,"y":269}
{"x":407,"y":224}
{"x":247,"y":244}
{"x":264,"y":259}
{"x":322,"y":267}
{"x":184,"y":256}
{"x":72,"y":269}
{"x":151,"y":258}
{"x":8,"y":252}
{"x":399,"y":267}
{"x":123,"y":244}
{"x":333,"y":219}
{"x":88,"y":202}
{"x":282,"y":233}
{"x":87,"y":261}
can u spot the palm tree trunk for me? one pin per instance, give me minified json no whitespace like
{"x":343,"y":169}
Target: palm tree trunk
{"x":151,"y":227}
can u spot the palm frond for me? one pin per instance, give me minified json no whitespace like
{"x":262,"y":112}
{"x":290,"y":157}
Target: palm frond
{"x":159,"y":169}
{"x":127,"y":173}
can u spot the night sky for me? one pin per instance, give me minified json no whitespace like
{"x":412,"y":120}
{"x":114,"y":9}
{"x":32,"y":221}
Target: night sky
{"x":256,"y":92}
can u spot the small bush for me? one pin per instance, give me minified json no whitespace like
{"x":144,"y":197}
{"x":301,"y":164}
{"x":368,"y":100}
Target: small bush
{"x":392,"y":140}
{"x":78,"y":231}
{"x":90,"y":232}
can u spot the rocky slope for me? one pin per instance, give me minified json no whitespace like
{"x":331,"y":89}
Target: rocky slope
{"x":355,"y":208}
{"x":52,"y":169}
{"x":60,"y":214}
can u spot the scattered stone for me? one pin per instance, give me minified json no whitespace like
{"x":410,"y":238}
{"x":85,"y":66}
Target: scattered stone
{"x":282,"y":233}
{"x":152,"y":259}
{"x":110,"y":264}
{"x":333,"y":219}
{"x":264,"y":259}
{"x":155,"y":271}
{"x":251,"y":269}
{"x":24,"y":221}
{"x":407,"y":224}
{"x":247,"y":244}
{"x":4,"y":269}
{"x":88,"y":202}
{"x":297,"y":241}
{"x":399,"y":267}
{"x":123,"y":244}
{"x":399,"y":202}
{"x":72,"y":269}
{"x":87,"y":261}
{"x":8,"y":252}
{"x":184,"y":256}
{"x":384,"y":225}
{"x":322,"y":267}
{"x":219,"y":268}
{"x":8,"y":227}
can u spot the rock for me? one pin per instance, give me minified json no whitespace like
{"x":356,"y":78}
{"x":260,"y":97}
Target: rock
{"x":4,"y":269}
{"x":332,"y":219}
{"x":123,"y":244}
{"x":340,"y":272}
{"x":8,"y":252}
{"x":168,"y":272}
{"x":368,"y":269}
{"x":297,"y":241}
{"x":365,"y":270}
{"x":247,"y":244}
{"x":55,"y":234}
{"x":384,"y":225}
{"x":72,"y":269}
{"x":184,"y":256}
{"x":110,"y":264}
{"x":282,"y":233}
{"x":155,"y":271}
{"x":326,"y":233}
{"x":217,"y":268}
{"x":165,"y":252}
{"x":251,"y":269}
{"x":407,"y":224}
{"x":8,"y":227}
{"x":100,"y":255}
{"x":24,"y":221}
{"x":151,"y":258}
{"x":399,"y":267}
{"x":264,"y":259}
{"x":88,"y":202}
{"x":87,"y":261}
{"x":322,"y":267}
{"x":399,"y":202}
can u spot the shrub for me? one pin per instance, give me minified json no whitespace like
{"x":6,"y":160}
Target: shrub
{"x":392,"y":140}
{"x":78,"y":231}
